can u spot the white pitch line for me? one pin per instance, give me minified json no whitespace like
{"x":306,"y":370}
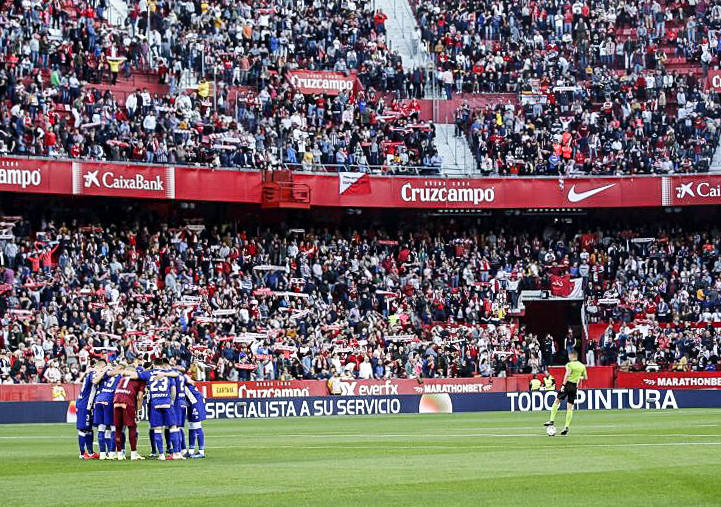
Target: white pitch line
{"x":252,"y":432}
{"x":454,"y":435}
{"x":371,"y":447}
{"x":337,"y":447}
{"x":639,"y":444}
{"x":401,"y":435}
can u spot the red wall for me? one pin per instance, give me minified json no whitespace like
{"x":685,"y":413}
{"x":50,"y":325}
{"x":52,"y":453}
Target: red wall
{"x":182,"y":183}
{"x":36,"y":392}
{"x":44,"y":392}
{"x":599,"y":377}
{"x":669,"y":380}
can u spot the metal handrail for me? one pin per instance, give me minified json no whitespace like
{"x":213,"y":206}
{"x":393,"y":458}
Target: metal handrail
{"x":374,"y":171}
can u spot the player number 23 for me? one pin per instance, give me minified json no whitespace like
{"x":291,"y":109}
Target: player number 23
{"x":159,"y":384}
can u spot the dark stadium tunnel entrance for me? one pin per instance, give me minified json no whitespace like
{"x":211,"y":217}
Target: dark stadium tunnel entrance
{"x":555,"y":318}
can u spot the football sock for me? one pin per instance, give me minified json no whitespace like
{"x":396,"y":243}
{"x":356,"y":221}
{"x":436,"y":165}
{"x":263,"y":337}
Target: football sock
{"x":158,"y":441}
{"x":151,"y":436}
{"x":82,"y":439}
{"x":101,"y":437}
{"x":109,"y":440}
{"x":133,"y":437}
{"x":175,"y":440}
{"x":181,"y":435}
{"x":554,"y":410}
{"x":191,"y":437}
{"x":119,"y":437}
{"x":569,"y":417}
{"x":89,"y":441}
{"x":168,"y":441}
{"x":201,"y":440}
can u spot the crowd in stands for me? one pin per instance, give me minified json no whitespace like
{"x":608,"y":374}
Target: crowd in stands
{"x":55,"y":65}
{"x":650,"y":346}
{"x":306,"y":304}
{"x":604,"y":87}
{"x":665,"y":292}
{"x":496,"y":46}
{"x":268,"y":306}
{"x":659,"y":123}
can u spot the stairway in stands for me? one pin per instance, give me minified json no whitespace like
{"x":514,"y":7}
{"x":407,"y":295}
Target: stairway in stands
{"x":716,"y":161}
{"x":116,"y":12}
{"x":458,"y":161}
{"x":401,"y":28}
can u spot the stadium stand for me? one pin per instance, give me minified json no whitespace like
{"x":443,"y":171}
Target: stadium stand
{"x":424,"y":302}
{"x":66,"y":82}
{"x":596,"y":89}
{"x":538,"y":88}
{"x":651,"y":347}
{"x":603,"y":89}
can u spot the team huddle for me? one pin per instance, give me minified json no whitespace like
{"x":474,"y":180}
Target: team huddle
{"x":112,"y":394}
{"x":109,"y":401}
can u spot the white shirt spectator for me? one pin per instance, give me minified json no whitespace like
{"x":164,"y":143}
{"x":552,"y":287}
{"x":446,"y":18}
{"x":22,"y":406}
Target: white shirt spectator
{"x":149,"y":123}
{"x":365,"y":370}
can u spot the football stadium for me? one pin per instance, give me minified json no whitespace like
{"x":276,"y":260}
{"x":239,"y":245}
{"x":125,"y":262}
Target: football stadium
{"x":360,"y":252}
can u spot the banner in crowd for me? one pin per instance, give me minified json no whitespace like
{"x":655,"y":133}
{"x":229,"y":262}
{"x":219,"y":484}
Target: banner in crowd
{"x":344,"y":190}
{"x":530,"y":98}
{"x":117,"y":180}
{"x":34,"y":176}
{"x":349,"y":183}
{"x":713,"y":81}
{"x":391,"y":387}
{"x":322,"y":81}
{"x":38,"y":392}
{"x":669,"y":380}
{"x":566,"y":287}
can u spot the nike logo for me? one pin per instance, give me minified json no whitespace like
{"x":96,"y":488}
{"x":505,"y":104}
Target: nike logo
{"x":580,"y":196}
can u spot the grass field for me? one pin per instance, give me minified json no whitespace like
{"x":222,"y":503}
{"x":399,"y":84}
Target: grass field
{"x":610,"y":458}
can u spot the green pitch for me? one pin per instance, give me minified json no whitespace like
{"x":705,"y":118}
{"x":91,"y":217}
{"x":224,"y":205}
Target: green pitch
{"x":499,"y":459}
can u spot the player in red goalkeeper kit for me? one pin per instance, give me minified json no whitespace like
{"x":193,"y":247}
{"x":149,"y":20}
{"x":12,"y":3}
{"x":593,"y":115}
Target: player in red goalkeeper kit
{"x":128,"y":397}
